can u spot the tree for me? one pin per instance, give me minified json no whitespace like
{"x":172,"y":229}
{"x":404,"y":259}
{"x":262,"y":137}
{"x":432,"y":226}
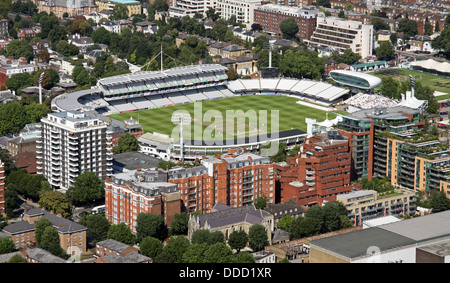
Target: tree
{"x":119,"y":12}
{"x":347,"y":57}
{"x":39,"y":227}
{"x":428,"y":28}
{"x":57,"y":202}
{"x":127,"y":143}
{"x":238,"y":240}
{"x":13,"y":117}
{"x":285,"y":222}
{"x":66,"y":48}
{"x":161,"y":5}
{"x":19,"y":81}
{"x":101,"y":36}
{"x":195,"y":253}
{"x":323,"y":3}
{"x":122,"y":233}
{"x":408,"y":27}
{"x":385,"y":51}
{"x":301,"y":227}
{"x":6,"y":245}
{"x":260,"y":202}
{"x":332,"y":220}
{"x":175,"y":247}
{"x":20,"y":48}
{"x":80,"y":75}
{"x":97,"y":227}
{"x":393,"y":38}
{"x":442,"y":42}
{"x":42,"y":56}
{"x":389,"y":87}
{"x":50,"y":79}
{"x":243,"y":258}
{"x":51,"y":242}
{"x":150,"y":225}
{"x":205,"y":236}
{"x":232,"y":74}
{"x":256,"y":27}
{"x":151,"y":247}
{"x":211,"y":14}
{"x":216,"y":237}
{"x":437,"y":27}
{"x":316,"y":215}
{"x":257,"y":237}
{"x":17,"y":258}
{"x":87,"y":188}
{"x":179,"y":225}
{"x":302,"y":64}
{"x":218,"y":253}
{"x":379,"y":24}
{"x":289,"y":28}
{"x":11,"y":199}
{"x":439,"y":202}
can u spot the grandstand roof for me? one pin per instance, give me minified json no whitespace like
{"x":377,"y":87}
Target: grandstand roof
{"x":152,"y":75}
{"x":432,"y":65}
{"x":247,"y":140}
{"x":315,"y":89}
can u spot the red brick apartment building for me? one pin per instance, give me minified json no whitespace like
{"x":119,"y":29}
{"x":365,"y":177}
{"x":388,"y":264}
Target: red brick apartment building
{"x":270,"y":16}
{"x":233,"y":179}
{"x":319,"y":172}
{"x":2,"y":188}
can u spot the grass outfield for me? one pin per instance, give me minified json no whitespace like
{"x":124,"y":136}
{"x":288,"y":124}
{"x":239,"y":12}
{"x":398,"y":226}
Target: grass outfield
{"x":435,"y":82}
{"x":291,"y":115}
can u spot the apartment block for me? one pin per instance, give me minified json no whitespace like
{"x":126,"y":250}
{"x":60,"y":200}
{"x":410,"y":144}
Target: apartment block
{"x":134,"y":7}
{"x":183,"y":8}
{"x":70,"y":143}
{"x":2,"y":188}
{"x":233,"y":180}
{"x":318,"y":173}
{"x":270,"y":16}
{"x":242,"y":9}
{"x":73,"y":8}
{"x":367,"y":131}
{"x":341,"y":34}
{"x":363,"y":205}
{"x":138,"y":191}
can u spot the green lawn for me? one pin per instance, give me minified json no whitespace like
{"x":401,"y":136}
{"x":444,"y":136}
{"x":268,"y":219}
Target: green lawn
{"x":291,"y":115}
{"x":435,"y":82}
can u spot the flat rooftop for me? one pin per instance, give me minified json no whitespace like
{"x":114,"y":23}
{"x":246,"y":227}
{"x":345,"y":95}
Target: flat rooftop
{"x":362,"y":242}
{"x":424,"y":228}
{"x":134,"y":160}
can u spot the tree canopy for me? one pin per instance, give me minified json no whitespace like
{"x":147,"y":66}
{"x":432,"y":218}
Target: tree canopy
{"x":289,"y":28}
{"x":86,"y":189}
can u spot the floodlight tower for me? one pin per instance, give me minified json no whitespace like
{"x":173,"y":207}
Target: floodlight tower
{"x":181,"y":119}
{"x":269,"y":72}
{"x":41,"y":78}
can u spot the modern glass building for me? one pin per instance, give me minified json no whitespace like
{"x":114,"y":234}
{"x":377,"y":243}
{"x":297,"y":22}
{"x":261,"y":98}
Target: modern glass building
{"x":355,"y":79}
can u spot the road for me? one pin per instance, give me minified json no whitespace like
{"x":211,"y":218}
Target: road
{"x":420,"y":56}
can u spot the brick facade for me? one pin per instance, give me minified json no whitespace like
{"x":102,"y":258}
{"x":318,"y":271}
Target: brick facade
{"x":319,"y":172}
{"x":270,"y":19}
